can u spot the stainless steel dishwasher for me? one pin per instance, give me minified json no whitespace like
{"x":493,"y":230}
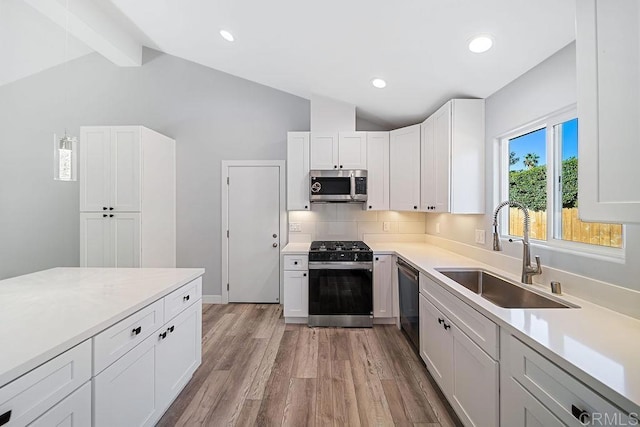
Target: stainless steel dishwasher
{"x":409,"y":291}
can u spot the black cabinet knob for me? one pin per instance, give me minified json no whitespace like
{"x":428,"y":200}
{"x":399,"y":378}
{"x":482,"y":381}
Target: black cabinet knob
{"x":295,"y":262}
{"x":446,"y":326}
{"x":335,"y":166}
{"x":136,"y":331}
{"x":185,"y":298}
{"x":440,"y":320}
{"x":170,"y":328}
{"x":5,"y":418}
{"x":340,"y":166}
{"x":377,"y":259}
{"x":110,"y":209}
{"x":104,"y":208}
{"x":580,"y":415}
{"x":370,"y":207}
{"x":163,"y":335}
{"x":306,"y":207}
{"x":110,"y":215}
{"x":415,"y":207}
{"x":104,"y":215}
{"x":304,"y":274}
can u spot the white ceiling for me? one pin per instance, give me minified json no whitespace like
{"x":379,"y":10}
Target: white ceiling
{"x":332,"y":48}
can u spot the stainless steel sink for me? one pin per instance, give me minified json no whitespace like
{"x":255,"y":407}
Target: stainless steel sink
{"x":499,"y":291}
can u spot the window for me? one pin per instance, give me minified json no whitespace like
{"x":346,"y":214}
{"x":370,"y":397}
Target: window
{"x":540,"y":170}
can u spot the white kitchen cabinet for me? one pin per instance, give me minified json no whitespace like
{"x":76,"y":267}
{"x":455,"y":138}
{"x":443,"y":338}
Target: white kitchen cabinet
{"x":338,"y":150}
{"x":382,"y":286}
{"x":298,"y":171}
{"x":296,"y":293}
{"x":378,"y":171}
{"x":608,"y":64}
{"x":520,"y":408}
{"x":452,"y":158}
{"x":110,"y":240}
{"x":178,"y":353}
{"x":127,"y":180}
{"x":404,"y":169}
{"x":467,"y":376}
{"x":73,"y":411}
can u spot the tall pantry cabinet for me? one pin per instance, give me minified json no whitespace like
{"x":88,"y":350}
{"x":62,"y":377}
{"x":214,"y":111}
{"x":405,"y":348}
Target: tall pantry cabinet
{"x":127,"y":197}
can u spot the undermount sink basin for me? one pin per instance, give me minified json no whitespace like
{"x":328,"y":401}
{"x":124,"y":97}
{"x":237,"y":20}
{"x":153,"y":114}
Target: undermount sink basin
{"x":501,"y":292}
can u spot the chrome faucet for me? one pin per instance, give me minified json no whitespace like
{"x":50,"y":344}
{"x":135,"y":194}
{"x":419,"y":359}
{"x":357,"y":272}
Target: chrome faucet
{"x":528,"y":271}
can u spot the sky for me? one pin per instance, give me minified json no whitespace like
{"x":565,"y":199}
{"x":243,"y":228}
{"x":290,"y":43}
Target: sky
{"x":535,"y":142}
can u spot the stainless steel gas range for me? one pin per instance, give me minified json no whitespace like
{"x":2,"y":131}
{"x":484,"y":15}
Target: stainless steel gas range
{"x":340,"y":284}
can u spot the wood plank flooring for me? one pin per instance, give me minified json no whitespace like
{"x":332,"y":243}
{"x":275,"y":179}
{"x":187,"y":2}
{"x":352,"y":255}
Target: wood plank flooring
{"x":258,"y":371}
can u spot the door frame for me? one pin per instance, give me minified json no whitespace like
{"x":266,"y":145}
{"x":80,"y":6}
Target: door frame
{"x":224,"y":217}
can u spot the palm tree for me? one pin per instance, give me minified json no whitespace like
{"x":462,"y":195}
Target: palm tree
{"x":531,"y":160}
{"x":513,"y":159}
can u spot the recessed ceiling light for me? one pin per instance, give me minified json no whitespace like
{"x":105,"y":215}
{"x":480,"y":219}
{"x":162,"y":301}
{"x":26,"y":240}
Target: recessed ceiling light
{"x":480,"y":44}
{"x":379,"y":83}
{"x":226,"y":35}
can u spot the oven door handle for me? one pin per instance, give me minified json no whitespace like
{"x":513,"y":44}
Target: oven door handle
{"x":407,"y":270}
{"x":339,"y":265}
{"x":352,"y":181}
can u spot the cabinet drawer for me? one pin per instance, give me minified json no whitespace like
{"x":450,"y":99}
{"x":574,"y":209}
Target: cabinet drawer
{"x":480,"y":329}
{"x":113,"y":343}
{"x":296,"y":262}
{"x":74,"y":411}
{"x":34,"y":393}
{"x":182,"y":298}
{"x":557,"y":390}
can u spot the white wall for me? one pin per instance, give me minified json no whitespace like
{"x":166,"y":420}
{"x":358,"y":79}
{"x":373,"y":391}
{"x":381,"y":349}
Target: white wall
{"x":344,"y":221}
{"x":546,"y":88}
{"x":213,"y":116}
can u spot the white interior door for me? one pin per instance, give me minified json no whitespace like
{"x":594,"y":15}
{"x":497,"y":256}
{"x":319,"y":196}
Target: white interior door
{"x":254,"y":234}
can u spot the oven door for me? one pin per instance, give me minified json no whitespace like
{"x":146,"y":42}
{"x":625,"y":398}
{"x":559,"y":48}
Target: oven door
{"x":341,"y":294}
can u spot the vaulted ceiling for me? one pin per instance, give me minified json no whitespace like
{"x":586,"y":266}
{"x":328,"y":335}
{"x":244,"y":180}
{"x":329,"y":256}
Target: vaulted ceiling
{"x":334,"y":48}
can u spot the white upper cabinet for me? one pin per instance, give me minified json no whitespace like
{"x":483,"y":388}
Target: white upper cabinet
{"x":404,"y":169}
{"x":452,"y":158}
{"x":298,"y":171}
{"x":110,"y":168}
{"x":378,"y":171}
{"x":333,"y":150}
{"x":608,"y":64}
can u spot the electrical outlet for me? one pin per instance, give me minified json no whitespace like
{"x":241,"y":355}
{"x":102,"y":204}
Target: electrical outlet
{"x":480,"y":237}
{"x":386,"y":225}
{"x":295,"y":227}
{"x":437,"y":228}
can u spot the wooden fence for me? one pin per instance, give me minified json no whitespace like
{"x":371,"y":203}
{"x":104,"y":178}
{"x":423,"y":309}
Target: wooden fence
{"x":573,"y":229}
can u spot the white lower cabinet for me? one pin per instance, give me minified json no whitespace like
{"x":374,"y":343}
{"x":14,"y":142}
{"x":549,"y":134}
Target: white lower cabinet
{"x":382,"y":286}
{"x":520,"y":408}
{"x":296,"y":286}
{"x":73,"y":411}
{"x":467,"y":376}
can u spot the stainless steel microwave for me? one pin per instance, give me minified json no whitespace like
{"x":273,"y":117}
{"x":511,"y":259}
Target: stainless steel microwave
{"x":346,"y":186}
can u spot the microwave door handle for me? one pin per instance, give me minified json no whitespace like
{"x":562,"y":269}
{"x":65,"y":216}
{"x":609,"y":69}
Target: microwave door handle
{"x":352,"y":180}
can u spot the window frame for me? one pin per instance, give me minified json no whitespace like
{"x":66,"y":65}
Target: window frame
{"x":554,"y":193}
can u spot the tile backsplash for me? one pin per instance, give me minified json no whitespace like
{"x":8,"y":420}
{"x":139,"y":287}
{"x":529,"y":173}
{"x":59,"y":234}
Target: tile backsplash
{"x":337,"y":221}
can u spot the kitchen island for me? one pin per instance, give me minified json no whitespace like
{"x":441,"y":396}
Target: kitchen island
{"x":96,"y":318}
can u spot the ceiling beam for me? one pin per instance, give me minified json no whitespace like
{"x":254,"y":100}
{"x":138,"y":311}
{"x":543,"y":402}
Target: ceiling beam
{"x":85,"y":20}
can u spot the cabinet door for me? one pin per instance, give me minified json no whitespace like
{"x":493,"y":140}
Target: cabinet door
{"x":608,"y":64}
{"x":520,"y":408}
{"x":404,"y":169}
{"x":324,"y":150}
{"x":427,"y":166}
{"x":73,"y":411}
{"x":296,"y":294}
{"x":436,"y":345}
{"x":378,"y":171}
{"x":298,"y":171}
{"x":95,"y":168}
{"x":96,"y":248}
{"x":382,"y":286}
{"x":441,"y":158}
{"x":124,"y":394}
{"x":125,"y":234}
{"x":475,"y":382}
{"x":179,"y":353}
{"x":352,"y":150}
{"x":125,"y":167}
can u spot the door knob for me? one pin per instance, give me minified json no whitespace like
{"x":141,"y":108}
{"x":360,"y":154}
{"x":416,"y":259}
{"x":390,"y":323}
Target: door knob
{"x":275,"y":235}
{"x":275,"y":245}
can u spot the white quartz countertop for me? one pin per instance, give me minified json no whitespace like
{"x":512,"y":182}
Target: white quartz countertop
{"x":46,"y":313}
{"x":598,"y":346}
{"x":296,"y":248}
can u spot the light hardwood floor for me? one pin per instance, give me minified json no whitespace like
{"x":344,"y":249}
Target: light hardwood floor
{"x":258,"y":371}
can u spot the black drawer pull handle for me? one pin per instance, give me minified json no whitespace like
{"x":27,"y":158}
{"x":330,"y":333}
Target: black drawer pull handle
{"x":162,"y":335}
{"x":5,"y":418}
{"x":580,"y":415}
{"x":136,"y":331}
{"x":170,"y":328}
{"x":185,"y":298}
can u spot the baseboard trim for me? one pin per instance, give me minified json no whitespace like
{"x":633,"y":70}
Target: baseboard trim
{"x":212,"y":299}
